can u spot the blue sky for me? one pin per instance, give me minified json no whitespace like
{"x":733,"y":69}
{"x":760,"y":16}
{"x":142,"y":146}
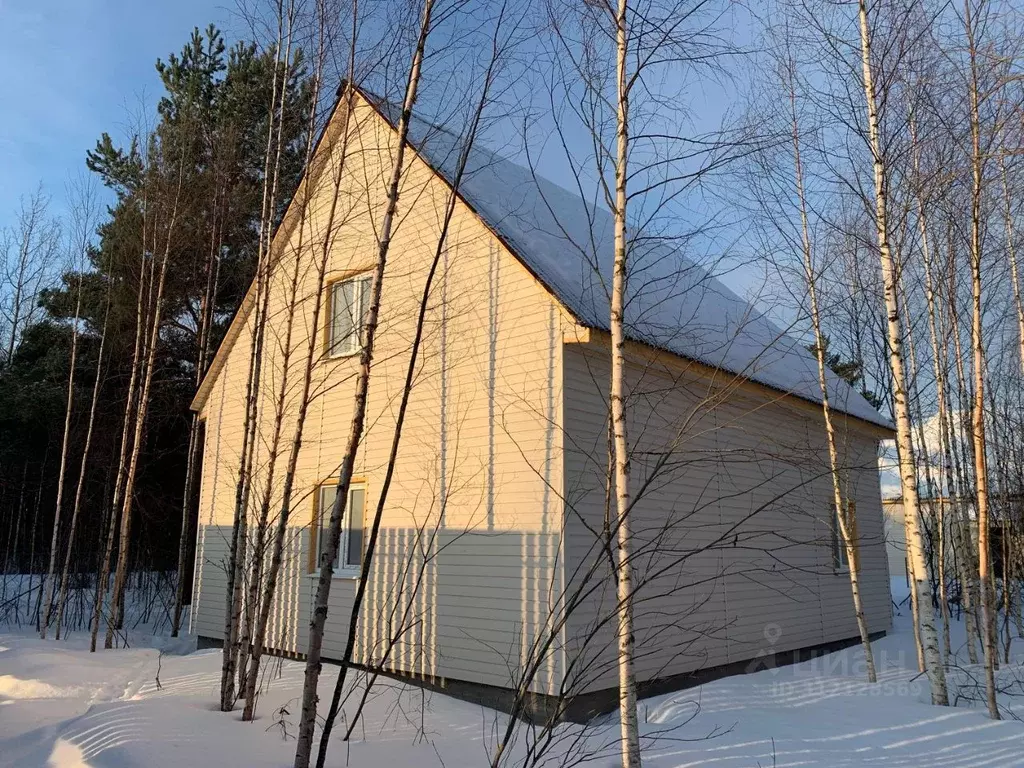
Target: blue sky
{"x":74,"y":69}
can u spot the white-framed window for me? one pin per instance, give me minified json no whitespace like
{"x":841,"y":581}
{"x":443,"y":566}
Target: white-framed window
{"x":840,"y":561}
{"x":349,"y":303}
{"x":350,"y":549}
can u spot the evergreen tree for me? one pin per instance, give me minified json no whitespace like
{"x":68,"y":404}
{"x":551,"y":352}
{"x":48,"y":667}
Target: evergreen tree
{"x":210,"y":130}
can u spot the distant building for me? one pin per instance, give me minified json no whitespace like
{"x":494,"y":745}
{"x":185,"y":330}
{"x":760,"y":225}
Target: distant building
{"x":896,"y":536}
{"x":948,"y":510}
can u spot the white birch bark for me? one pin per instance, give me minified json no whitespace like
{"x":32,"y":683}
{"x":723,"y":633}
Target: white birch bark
{"x":233,"y":633}
{"x":396,"y":438}
{"x":1011,"y":252}
{"x":48,"y":587}
{"x":307,"y":721}
{"x":103,"y":577}
{"x":346,"y":102}
{"x":904,"y":435}
{"x":988,"y":619}
{"x":844,"y":510}
{"x":943,"y":417}
{"x":629,"y":728}
{"x":128,"y":497}
{"x":947,"y":511}
{"x":97,"y":385}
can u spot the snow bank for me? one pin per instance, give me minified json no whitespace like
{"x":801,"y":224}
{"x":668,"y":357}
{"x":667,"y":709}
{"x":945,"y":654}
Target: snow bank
{"x":12,"y":687}
{"x":159,"y":712}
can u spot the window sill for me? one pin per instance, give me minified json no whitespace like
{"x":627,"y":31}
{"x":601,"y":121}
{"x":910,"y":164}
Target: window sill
{"x":843,"y":570}
{"x":346,"y":574}
{"x":344,"y":355}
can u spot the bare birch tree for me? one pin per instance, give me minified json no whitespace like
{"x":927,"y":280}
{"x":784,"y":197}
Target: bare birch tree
{"x":83,"y":467}
{"x":155,"y":316}
{"x":617,"y":395}
{"x":907,"y":469}
{"x":307,"y":722}
{"x":977,"y":164}
{"x":84,"y":221}
{"x":502,"y":41}
{"x":131,"y":402}
{"x":29,"y":251}
{"x":844,"y":509}
{"x":285,"y":15}
{"x":263,"y":585}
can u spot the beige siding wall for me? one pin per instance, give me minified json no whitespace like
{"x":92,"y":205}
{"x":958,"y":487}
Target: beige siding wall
{"x":733,"y":541}
{"x":472,"y":526}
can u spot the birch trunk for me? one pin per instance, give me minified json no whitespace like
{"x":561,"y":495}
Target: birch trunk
{"x":1007,"y":603}
{"x":130,"y":401}
{"x":629,"y":728}
{"x":1011,"y":250}
{"x":307,"y":722}
{"x":13,"y":565}
{"x":247,"y":609}
{"x":967,"y":554}
{"x":237,"y":551}
{"x":939,"y":369}
{"x":846,"y":526}
{"x":978,"y":411}
{"x":258,"y":644}
{"x":1018,"y":301}
{"x":904,"y":435}
{"x":55,"y":536}
{"x":935,"y":510}
{"x":194,"y":446}
{"x":371,"y":544}
{"x":915,"y":600}
{"x":258,"y":600}
{"x":62,"y":596}
{"x":35,"y":525}
{"x":121,"y":572}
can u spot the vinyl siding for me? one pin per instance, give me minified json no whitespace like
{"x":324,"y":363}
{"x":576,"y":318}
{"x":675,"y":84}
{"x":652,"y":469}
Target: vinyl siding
{"x":499,"y":485}
{"x":732,"y":536}
{"x":471,"y":531}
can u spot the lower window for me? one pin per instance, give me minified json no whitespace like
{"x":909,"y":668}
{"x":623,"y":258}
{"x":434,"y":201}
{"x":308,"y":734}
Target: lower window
{"x":840,"y":560}
{"x":350,"y":548}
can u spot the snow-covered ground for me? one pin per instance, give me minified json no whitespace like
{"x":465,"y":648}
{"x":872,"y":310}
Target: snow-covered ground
{"x":64,"y":707}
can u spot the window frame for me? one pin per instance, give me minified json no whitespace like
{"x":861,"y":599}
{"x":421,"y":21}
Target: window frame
{"x":343,"y":570}
{"x":359,"y":338}
{"x":840,"y":557}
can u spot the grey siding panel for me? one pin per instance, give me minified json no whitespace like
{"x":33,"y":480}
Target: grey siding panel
{"x":289,"y":616}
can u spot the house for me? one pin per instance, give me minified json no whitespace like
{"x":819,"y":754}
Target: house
{"x":896,"y":535}
{"x":492,"y":569}
{"x":945,"y":510}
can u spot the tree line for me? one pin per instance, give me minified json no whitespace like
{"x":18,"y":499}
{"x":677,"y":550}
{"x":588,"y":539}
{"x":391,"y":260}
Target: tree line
{"x":111,"y":317}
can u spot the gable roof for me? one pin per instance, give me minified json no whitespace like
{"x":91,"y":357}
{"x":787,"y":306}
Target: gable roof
{"x":672,"y":303}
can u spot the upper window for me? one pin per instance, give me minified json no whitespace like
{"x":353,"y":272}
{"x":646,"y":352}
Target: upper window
{"x":349,"y":303}
{"x":350,"y":549}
